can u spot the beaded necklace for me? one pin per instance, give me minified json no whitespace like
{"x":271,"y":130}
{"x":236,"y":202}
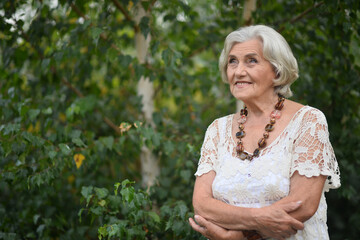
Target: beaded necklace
{"x":276,"y":114}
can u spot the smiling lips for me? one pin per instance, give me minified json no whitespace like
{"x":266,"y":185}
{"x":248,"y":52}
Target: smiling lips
{"x":242,"y":83}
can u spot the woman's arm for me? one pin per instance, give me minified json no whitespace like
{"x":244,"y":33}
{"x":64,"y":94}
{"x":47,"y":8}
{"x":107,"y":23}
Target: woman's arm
{"x":213,"y":231}
{"x":274,"y":221}
{"x":308,"y":191}
{"x":266,"y":220}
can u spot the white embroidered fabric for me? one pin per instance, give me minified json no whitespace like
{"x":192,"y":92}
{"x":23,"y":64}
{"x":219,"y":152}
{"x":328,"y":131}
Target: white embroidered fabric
{"x":303,"y":146}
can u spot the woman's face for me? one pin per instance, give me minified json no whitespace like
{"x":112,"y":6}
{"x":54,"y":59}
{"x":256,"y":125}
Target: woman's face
{"x":250,"y":75}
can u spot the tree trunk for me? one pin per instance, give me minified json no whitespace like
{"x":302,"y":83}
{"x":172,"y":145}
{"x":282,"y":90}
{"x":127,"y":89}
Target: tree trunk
{"x":149,"y":163}
{"x":249,"y":7}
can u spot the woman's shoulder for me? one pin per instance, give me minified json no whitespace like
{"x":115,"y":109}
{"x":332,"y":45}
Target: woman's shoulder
{"x":307,"y":114}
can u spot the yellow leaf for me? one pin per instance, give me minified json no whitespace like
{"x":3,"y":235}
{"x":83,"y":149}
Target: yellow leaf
{"x":73,"y":20}
{"x":37,"y":127}
{"x":62,"y":117}
{"x":71,"y":179}
{"x":131,"y":4}
{"x":79,"y":158}
{"x":83,"y":50}
{"x":102,"y":202}
{"x":30,"y":128}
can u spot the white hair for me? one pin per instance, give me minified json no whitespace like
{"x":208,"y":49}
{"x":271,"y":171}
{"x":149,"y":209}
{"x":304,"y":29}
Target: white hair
{"x":275,"y":49}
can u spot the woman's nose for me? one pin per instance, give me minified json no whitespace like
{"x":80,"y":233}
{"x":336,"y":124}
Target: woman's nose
{"x":240,"y":70}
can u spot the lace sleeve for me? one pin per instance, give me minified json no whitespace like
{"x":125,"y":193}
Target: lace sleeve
{"x":313,"y":153}
{"x":209,"y":153}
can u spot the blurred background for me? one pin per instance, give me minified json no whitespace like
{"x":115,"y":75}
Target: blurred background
{"x":104,"y":105}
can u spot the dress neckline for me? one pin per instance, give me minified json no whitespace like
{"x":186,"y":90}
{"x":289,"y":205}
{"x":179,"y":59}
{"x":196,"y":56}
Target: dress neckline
{"x":276,"y":139}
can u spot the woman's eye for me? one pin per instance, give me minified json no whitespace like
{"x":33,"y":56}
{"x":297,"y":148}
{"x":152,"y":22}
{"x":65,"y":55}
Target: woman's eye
{"x":252,"y":60}
{"x":232,"y":60}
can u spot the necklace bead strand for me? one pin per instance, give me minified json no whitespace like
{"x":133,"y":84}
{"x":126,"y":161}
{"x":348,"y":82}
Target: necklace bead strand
{"x":276,"y":114}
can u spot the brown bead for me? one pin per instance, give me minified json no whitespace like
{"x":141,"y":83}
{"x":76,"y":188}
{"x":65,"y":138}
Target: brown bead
{"x":256,"y":152}
{"x":244,"y":111}
{"x":266,"y":135}
{"x":240,"y":134}
{"x":279,"y":105}
{"x":262,"y":142}
{"x":243,"y":155}
{"x":269,"y":127}
{"x":241,"y":127}
{"x":239,"y":148}
{"x":272,"y":121}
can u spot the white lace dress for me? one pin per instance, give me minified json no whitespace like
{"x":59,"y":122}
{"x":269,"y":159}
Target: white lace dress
{"x":303,"y":146}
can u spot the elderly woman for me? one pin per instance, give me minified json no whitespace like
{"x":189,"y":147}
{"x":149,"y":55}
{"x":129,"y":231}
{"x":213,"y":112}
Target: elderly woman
{"x":263,"y":171}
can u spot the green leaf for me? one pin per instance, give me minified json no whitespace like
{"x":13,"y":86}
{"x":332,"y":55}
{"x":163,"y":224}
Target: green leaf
{"x":87,"y":191}
{"x":186,"y":175}
{"x":116,"y":185}
{"x":35,"y":140}
{"x":154,"y":216}
{"x":37,"y":180}
{"x":108,"y":142}
{"x":168,"y":225}
{"x":169,"y":147}
{"x":95,"y":34}
{"x":144,"y":26}
{"x":10,"y":128}
{"x":86,"y":104}
{"x":102,"y":232}
{"x":64,"y":149}
{"x":97,"y":210}
{"x":78,"y":142}
{"x":125,"y":182}
{"x":71,"y":111}
{"x":52,"y":154}
{"x":33,"y":113}
{"x":47,"y":111}
{"x":124,"y":60}
{"x":102,"y":203}
{"x":80,"y":213}
{"x":101,"y":192}
{"x":45,"y":65}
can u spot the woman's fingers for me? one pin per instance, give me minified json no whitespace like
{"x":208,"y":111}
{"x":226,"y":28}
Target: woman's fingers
{"x":201,"y":221}
{"x":211,"y":230}
{"x":197,"y":227}
{"x":290,"y":207}
{"x":274,"y":221}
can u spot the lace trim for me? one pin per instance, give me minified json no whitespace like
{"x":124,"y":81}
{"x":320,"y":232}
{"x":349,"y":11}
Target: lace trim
{"x":209,"y":149}
{"x":313,"y":153}
{"x":306,"y":137}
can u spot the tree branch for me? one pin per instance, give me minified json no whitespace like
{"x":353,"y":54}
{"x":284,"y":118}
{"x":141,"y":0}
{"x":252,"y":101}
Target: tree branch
{"x":301,"y":15}
{"x":127,"y":16}
{"x":79,"y":94}
{"x":69,"y":85}
{"x":102,"y":35}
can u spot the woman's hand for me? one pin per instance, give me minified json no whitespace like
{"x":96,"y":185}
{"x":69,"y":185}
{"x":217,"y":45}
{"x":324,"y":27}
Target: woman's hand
{"x":274,"y":221}
{"x":213,"y":231}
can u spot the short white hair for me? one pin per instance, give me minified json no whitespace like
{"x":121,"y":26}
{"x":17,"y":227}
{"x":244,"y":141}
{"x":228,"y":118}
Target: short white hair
{"x":275,"y":49}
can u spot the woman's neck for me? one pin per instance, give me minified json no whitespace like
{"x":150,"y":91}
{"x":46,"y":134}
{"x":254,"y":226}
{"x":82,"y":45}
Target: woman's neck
{"x":259,"y":108}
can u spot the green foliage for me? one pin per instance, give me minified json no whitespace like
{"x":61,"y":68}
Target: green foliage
{"x":68,"y":76}
{"x":128,"y":214}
